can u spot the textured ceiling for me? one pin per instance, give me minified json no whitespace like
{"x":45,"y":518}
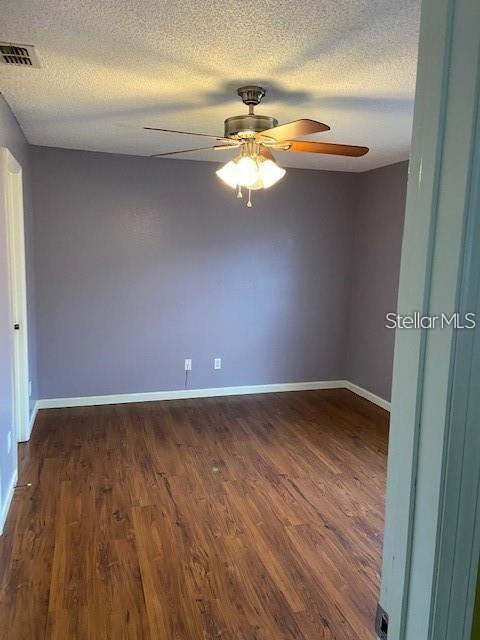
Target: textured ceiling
{"x":110,"y":67}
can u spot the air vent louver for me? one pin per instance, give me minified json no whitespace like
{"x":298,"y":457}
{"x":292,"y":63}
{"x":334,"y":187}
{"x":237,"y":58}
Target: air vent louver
{"x":20,"y":55}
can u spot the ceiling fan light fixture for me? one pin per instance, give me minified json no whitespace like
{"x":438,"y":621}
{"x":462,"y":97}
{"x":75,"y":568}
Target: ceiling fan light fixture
{"x":228,"y":174}
{"x":247,"y":171}
{"x":252,"y":172}
{"x":270,"y":173}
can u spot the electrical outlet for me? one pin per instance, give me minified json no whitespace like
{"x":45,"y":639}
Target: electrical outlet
{"x":29,"y":388}
{"x":9,"y":441}
{"x":188,"y":364}
{"x":217,"y":363}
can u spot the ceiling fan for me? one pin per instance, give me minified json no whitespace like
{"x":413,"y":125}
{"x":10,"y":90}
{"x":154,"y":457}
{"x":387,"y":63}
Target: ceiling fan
{"x":255,"y":136}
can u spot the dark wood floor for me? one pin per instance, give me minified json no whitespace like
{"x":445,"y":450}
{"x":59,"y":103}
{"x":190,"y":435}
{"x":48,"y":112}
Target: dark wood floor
{"x":241,"y":518}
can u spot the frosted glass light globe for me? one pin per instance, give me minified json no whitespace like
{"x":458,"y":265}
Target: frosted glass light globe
{"x":247,"y":171}
{"x":228,"y":173}
{"x":270,"y":173}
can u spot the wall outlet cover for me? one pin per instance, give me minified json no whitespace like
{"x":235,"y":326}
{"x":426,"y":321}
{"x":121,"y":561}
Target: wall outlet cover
{"x":188,"y":364}
{"x":217,"y":363}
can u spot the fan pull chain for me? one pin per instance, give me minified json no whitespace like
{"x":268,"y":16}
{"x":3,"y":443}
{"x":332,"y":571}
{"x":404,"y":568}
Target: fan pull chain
{"x":249,"y":203}
{"x":239,"y":192}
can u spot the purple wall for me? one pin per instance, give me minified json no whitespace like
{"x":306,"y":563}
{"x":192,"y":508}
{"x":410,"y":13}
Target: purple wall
{"x":376,"y":249}
{"x":12,"y":137}
{"x":141,"y":263}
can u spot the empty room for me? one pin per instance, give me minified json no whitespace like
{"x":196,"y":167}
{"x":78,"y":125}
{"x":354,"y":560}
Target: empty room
{"x":239,"y":266}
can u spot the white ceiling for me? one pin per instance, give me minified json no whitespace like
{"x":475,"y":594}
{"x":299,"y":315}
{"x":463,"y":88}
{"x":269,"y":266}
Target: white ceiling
{"x":110,"y":67}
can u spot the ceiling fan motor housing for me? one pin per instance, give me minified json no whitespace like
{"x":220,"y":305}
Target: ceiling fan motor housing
{"x":246,"y":126}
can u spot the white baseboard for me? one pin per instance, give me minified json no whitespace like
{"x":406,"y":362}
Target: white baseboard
{"x":183,"y":394}
{"x":7,"y":501}
{"x":368,"y":395}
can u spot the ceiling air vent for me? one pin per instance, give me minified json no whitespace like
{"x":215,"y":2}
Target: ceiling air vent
{"x":19,"y":55}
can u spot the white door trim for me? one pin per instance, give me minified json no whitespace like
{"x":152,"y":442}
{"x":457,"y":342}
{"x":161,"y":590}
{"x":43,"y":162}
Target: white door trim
{"x":12,"y":188}
{"x":455,"y":577}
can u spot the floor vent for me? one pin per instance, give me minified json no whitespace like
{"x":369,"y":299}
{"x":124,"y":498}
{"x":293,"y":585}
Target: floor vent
{"x":20,"y":55}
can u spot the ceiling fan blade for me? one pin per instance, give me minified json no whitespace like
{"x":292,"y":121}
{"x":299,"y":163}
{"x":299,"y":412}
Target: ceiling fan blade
{"x":294,"y":129}
{"x":307,"y":146}
{"x":217,"y":147}
{"x":266,"y":153}
{"x":190,"y":133}
{"x":221,"y":147}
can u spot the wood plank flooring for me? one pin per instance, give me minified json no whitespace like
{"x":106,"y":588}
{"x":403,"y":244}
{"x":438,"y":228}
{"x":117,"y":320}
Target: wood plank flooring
{"x":240,"y":518}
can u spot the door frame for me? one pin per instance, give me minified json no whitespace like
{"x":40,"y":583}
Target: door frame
{"x":432,"y":529}
{"x":12,"y":183}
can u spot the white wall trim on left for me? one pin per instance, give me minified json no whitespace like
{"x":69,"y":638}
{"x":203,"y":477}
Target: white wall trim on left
{"x":7,"y":501}
{"x":11,"y":207}
{"x":85,"y":401}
